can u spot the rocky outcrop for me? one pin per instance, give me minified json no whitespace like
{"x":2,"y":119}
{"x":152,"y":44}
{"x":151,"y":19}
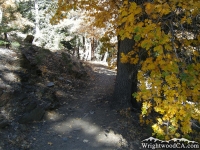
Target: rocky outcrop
{"x":34,"y":89}
{"x":44,"y":62}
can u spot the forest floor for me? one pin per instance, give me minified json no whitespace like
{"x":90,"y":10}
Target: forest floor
{"x":84,"y":119}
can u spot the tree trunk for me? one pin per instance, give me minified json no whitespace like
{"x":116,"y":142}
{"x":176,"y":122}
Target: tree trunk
{"x":1,"y":15}
{"x":5,"y":36}
{"x":92,"y":48}
{"x":37,"y":29}
{"x":126,"y":80}
{"x":78,"y":53}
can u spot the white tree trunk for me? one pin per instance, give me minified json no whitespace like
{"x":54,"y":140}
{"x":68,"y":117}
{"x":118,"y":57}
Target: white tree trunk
{"x":105,"y":57}
{"x":1,"y":15}
{"x":37,"y":29}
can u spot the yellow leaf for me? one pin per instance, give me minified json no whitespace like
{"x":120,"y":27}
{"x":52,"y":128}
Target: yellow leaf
{"x":189,"y":20}
{"x":138,"y":10}
{"x":125,"y":2}
{"x":159,"y":8}
{"x":159,"y":49}
{"x":133,"y":6}
{"x":146,"y":44}
{"x":134,"y":60}
{"x":177,"y":135}
{"x":149,"y":8}
{"x":160,"y":121}
{"x":166,"y":9}
{"x":182,"y":112}
{"x":183,"y":19}
{"x":124,"y":13}
{"x":168,"y":47}
{"x":124,"y":58}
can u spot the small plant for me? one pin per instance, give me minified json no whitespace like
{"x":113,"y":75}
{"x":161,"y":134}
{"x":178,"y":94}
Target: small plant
{"x":2,"y":43}
{"x":15,"y":45}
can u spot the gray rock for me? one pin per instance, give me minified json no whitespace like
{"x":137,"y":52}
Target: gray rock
{"x":50,"y":84}
{"x":68,"y":81}
{"x":35,"y":115}
{"x":61,"y":78}
{"x":91,"y":112}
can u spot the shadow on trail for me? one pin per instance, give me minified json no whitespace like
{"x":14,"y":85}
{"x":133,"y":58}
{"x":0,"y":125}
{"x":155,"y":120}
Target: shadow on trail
{"x":84,"y":119}
{"x":84,"y":122}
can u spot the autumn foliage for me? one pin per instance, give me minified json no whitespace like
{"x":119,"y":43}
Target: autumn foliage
{"x":169,"y":77}
{"x":167,"y":33}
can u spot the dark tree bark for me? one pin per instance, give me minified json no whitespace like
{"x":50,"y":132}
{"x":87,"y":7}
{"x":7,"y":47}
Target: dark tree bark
{"x":5,"y":36}
{"x":92,"y":48}
{"x":78,"y":53}
{"x":6,"y":40}
{"x":126,"y":80}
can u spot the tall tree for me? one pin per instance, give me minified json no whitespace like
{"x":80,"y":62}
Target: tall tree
{"x":168,"y":32}
{"x":126,"y":80}
{"x":158,"y":57}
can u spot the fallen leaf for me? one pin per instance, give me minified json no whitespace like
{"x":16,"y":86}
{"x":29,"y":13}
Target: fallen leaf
{"x":49,"y":143}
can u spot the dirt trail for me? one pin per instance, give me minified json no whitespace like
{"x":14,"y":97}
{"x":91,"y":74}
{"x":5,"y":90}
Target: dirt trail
{"x":85,"y":122}
{"x":84,"y":119}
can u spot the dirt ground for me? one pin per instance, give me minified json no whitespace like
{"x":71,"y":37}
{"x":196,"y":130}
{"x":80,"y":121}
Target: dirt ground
{"x":84,"y":120}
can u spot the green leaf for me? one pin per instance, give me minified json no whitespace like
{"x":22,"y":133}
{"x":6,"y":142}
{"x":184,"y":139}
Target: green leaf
{"x":137,"y":38}
{"x":137,"y":29}
{"x":134,"y":94}
{"x":165,"y":73}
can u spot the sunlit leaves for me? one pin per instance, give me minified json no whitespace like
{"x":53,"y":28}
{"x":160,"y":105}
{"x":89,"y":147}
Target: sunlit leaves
{"x":129,"y":14}
{"x":169,"y":76}
{"x":149,"y":7}
{"x":158,"y":49}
